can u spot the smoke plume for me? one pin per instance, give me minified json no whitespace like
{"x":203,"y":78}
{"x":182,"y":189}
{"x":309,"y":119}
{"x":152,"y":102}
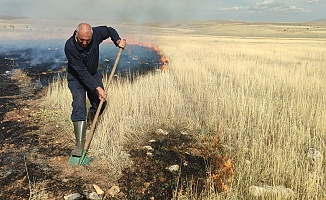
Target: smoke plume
{"x":123,"y":10}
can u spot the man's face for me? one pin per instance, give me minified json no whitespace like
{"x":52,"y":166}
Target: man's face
{"x":83,"y":38}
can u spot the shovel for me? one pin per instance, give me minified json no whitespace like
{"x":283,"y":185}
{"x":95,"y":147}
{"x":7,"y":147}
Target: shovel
{"x":83,"y":160}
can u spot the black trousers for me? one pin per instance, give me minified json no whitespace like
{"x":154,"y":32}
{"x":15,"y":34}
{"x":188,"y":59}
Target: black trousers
{"x":79,"y":92}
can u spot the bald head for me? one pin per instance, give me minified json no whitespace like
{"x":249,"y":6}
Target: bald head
{"x":84,"y":28}
{"x":84,"y":34}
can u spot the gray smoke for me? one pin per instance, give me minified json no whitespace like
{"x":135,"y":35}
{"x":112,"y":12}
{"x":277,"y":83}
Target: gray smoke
{"x":122,"y":10}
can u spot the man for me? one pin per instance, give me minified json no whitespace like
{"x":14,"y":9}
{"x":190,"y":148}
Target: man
{"x":82,"y":52}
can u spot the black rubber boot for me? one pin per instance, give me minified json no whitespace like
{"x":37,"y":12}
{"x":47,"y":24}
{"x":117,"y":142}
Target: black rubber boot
{"x":80,"y":134}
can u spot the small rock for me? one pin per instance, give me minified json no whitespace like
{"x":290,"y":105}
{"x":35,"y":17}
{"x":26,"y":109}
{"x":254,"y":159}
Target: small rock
{"x":94,"y":196}
{"x":148,"y":148}
{"x":151,"y":141}
{"x":173,"y":168}
{"x":263,"y":191}
{"x":114,"y":190}
{"x":149,"y":153}
{"x":98,"y":189}
{"x":161,"y":131}
{"x":74,"y":196}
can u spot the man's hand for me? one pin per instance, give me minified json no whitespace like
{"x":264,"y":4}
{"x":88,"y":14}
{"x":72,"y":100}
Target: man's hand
{"x":122,"y":43}
{"x":101,"y":93}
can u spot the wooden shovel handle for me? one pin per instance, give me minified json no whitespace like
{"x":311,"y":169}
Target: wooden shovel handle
{"x":91,"y":132}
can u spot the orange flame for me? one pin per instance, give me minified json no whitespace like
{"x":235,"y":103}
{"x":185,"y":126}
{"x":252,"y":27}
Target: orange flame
{"x":221,"y":164}
{"x":164,"y":60}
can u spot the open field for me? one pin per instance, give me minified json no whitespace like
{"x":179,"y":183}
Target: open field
{"x":263,"y":85}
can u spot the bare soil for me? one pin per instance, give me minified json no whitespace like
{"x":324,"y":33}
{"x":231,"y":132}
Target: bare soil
{"x":34,"y":152}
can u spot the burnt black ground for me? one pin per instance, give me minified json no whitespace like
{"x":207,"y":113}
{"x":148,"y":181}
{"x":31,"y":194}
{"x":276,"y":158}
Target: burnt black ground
{"x":149,"y":177}
{"x":33,"y":151}
{"x":24,"y":149}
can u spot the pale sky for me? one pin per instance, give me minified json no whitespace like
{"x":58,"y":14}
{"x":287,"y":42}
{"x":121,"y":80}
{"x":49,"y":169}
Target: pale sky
{"x":154,"y":10}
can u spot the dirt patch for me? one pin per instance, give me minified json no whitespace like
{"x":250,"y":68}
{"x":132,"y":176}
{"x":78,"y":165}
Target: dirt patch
{"x":34,"y":151}
{"x":176,"y":162}
{"x":169,"y":161}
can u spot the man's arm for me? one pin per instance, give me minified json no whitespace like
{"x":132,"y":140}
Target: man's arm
{"x":106,"y":32}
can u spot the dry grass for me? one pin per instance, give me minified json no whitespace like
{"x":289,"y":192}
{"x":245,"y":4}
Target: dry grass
{"x":267,"y":93}
{"x":270,"y":97}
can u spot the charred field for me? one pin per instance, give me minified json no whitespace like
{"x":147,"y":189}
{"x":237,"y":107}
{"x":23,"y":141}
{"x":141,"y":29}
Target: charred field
{"x":44,"y":62}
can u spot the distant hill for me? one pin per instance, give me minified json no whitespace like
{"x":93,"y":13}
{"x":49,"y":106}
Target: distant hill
{"x":9,"y":17}
{"x":320,"y":20}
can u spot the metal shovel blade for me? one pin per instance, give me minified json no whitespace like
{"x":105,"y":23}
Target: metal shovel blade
{"x":82,"y":160}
